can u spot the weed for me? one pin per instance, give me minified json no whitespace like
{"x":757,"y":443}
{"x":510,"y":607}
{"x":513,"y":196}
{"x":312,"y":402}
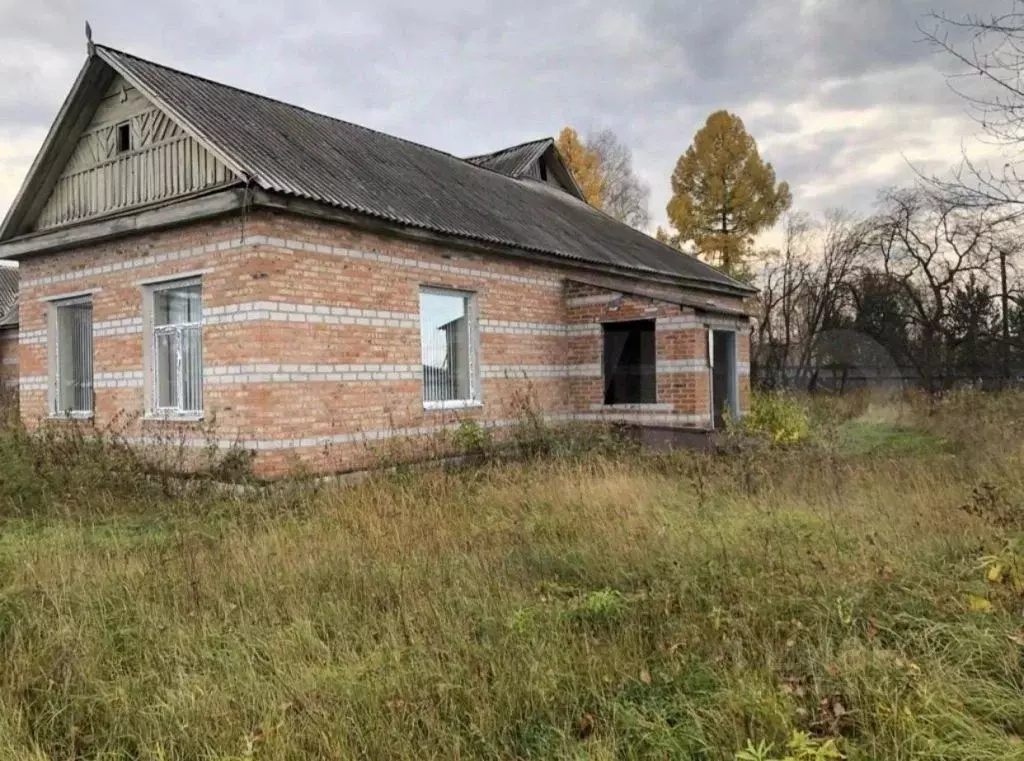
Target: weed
{"x":566,"y":596}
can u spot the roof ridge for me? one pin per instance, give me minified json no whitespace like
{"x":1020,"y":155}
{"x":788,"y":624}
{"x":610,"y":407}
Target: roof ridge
{"x":509,"y":149}
{"x":295,"y":106}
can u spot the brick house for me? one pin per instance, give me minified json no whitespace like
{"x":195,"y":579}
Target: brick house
{"x":198,"y":256}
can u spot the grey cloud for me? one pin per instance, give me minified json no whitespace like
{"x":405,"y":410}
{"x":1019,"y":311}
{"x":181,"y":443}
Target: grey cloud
{"x":468,"y":80}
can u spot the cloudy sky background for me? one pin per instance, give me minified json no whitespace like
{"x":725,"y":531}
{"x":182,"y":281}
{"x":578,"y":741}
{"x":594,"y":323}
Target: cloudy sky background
{"x":840,"y":95}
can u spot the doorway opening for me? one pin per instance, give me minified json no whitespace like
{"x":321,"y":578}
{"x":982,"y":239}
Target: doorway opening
{"x":724,"y":390}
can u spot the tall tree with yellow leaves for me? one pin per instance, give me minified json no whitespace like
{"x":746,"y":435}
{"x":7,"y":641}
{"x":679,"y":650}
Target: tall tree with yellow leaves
{"x":724,"y":194}
{"x":585,"y":165}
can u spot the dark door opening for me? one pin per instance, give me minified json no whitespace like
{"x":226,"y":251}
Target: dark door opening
{"x":629,"y":363}
{"x":723,"y":376}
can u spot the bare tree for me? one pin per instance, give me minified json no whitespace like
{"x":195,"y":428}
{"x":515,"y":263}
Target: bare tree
{"x":781,"y":280}
{"x":803,"y":290}
{"x":988,"y":53}
{"x":625,"y":195}
{"x":929,"y":243}
{"x":841,"y":244}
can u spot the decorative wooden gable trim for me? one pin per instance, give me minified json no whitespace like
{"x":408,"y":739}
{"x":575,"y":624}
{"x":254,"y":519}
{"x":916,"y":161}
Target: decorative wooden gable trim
{"x":78,"y":175}
{"x":161,"y":162}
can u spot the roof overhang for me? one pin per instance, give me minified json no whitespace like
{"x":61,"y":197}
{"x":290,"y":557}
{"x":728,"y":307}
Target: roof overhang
{"x":74,"y":116}
{"x":205,"y":205}
{"x":234,"y":199}
{"x":571,"y":265}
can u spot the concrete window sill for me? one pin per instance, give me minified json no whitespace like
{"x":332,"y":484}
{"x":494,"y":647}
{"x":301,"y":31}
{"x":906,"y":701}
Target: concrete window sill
{"x":454,"y":404}
{"x":659,"y":407}
{"x":172,"y":418}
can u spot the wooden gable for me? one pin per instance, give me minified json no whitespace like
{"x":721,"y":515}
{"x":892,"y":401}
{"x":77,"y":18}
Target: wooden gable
{"x":161,"y":162}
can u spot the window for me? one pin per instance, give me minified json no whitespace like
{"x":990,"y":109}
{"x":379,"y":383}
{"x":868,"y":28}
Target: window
{"x":124,"y":137}
{"x":448,"y":343}
{"x":629,"y":363}
{"x":176,"y":368}
{"x":72,"y":391}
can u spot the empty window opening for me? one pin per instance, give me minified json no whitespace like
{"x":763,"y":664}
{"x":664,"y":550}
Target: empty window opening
{"x":448,"y":344}
{"x":629,"y":363}
{"x":72,"y":390}
{"x":124,"y":138}
{"x":543,"y":170}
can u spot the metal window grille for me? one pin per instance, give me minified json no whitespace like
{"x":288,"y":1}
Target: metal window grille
{"x":73,"y":379}
{"x":178,"y":349}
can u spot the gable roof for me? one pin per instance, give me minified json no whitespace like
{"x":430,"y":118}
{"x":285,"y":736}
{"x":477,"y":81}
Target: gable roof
{"x":8,"y":297}
{"x":514,"y":160}
{"x":288,"y":150}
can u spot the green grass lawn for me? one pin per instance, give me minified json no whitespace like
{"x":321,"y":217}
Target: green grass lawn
{"x":594,"y":606}
{"x":865,"y":437}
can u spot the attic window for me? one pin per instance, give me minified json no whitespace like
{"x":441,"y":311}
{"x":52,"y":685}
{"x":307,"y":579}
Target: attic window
{"x":543,"y":170}
{"x":124,"y":138}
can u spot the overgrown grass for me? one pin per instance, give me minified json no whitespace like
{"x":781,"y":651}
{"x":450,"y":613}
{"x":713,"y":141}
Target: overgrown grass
{"x":593,"y":605}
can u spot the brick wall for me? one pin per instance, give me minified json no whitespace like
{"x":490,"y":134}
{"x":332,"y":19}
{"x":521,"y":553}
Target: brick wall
{"x":311,"y":345}
{"x":683,"y":376}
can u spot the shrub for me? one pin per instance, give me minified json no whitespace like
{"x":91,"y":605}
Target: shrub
{"x":777,"y":416}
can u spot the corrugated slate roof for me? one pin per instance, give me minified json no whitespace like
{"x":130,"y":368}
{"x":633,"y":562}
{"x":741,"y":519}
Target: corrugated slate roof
{"x":513,"y":161}
{"x":290,"y":150}
{"x":8,"y":296}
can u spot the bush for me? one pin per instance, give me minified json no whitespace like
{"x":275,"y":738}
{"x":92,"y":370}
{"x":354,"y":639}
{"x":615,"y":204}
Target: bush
{"x":777,"y":416}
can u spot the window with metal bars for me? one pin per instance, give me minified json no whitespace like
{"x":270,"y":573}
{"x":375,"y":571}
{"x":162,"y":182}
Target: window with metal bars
{"x":448,"y":344}
{"x":72,"y":388}
{"x":177,"y":360}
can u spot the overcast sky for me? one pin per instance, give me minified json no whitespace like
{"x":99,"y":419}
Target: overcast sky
{"x":838,"y":94}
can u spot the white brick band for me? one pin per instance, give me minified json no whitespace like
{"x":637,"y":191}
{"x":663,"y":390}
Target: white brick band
{"x":277,"y":311}
{"x":32,"y":383}
{"x":32,"y":337}
{"x":137,"y":263}
{"x":296,"y":373}
{"x":644,"y":418}
{"x":540,"y":371}
{"x":123,"y":327}
{"x":586,"y":301}
{"x":292,"y":245}
{"x":373,"y":256}
{"x":121,"y":379}
{"x":681,"y":366}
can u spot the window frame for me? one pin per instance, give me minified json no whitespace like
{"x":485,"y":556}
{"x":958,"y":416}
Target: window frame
{"x":151,"y":365}
{"x":54,"y":353}
{"x":616,"y":326}
{"x":475,"y":398}
{"x":127,"y":126}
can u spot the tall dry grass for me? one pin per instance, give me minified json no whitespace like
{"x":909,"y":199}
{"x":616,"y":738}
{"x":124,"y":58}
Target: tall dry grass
{"x":604,"y":605}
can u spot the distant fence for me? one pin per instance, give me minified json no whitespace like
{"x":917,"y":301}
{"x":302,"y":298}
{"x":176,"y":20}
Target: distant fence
{"x":837,"y":380}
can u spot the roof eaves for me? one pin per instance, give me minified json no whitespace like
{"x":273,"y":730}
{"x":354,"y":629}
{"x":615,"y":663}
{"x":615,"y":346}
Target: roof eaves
{"x":732,"y":288}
